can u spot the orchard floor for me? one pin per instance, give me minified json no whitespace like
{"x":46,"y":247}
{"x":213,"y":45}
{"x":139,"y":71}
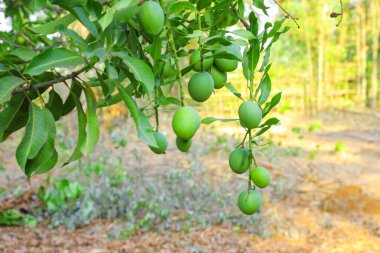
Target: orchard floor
{"x":320,"y":200}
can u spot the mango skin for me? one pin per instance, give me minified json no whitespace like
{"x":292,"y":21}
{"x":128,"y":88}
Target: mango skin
{"x":227,"y":65}
{"x":195,"y":58}
{"x":183,"y":145}
{"x":239,"y":160}
{"x":260,"y":177}
{"x":220,"y":77}
{"x":249,"y":204}
{"x":250,"y":114}
{"x":151,"y":17}
{"x":201,"y":86}
{"x":186,"y":122}
{"x":161,"y":142}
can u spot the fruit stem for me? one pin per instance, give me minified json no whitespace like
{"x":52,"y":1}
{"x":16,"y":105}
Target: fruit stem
{"x":176,"y":60}
{"x":200,"y":40}
{"x":156,"y":109}
{"x":242,"y":143}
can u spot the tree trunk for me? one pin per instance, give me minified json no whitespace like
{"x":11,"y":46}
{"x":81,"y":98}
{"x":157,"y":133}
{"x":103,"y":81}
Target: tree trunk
{"x":375,"y":52}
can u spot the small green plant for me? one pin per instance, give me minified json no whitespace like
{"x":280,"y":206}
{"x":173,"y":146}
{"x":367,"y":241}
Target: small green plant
{"x":314,"y":126}
{"x":12,"y":217}
{"x":64,"y":192}
{"x":339,"y":146}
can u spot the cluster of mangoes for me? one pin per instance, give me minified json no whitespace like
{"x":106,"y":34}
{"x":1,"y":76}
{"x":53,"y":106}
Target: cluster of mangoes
{"x":211,"y":74}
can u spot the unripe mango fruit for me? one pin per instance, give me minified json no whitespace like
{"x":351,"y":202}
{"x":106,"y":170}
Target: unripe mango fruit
{"x":195,"y":59}
{"x":239,"y":160}
{"x":249,"y":202}
{"x":183,"y":145}
{"x":227,"y":65}
{"x":162,"y":143}
{"x":151,"y":18}
{"x":220,"y":77}
{"x":201,"y":86}
{"x":250,"y":114}
{"x":260,"y":177}
{"x":186,"y":122}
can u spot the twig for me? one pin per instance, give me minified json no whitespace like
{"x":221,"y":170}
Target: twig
{"x":288,"y":15}
{"x":48,"y":83}
{"x":245,"y":23}
{"x":341,"y":13}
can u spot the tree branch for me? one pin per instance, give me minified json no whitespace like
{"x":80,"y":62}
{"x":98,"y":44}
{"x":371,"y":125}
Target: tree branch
{"x":48,"y":83}
{"x":288,"y":15}
{"x":245,"y":23}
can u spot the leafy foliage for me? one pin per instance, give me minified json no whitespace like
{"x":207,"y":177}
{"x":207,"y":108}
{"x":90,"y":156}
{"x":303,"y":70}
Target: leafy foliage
{"x":108,"y":53}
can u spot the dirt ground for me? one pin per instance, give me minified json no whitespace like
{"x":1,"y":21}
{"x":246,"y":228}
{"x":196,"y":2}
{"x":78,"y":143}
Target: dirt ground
{"x":330,"y":203}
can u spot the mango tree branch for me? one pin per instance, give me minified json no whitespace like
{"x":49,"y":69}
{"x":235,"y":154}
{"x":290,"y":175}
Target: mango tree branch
{"x":48,"y":83}
{"x":288,"y":15}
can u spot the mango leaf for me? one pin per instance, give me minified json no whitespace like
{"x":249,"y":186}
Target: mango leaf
{"x":234,"y":91}
{"x":47,"y":157}
{"x":140,"y":70}
{"x":92,"y":131}
{"x":270,"y":122}
{"x":35,"y":136}
{"x":144,"y":129}
{"x":69,"y":3}
{"x":72,"y":34}
{"x":244,"y":34}
{"x":264,"y":88}
{"x":7,"y":85}
{"x":106,"y":20}
{"x":163,"y":101}
{"x":25,"y":54}
{"x":270,"y":105}
{"x":82,"y":122}
{"x":182,"y":6}
{"x":37,"y":5}
{"x":50,"y":27}
{"x":13,"y":117}
{"x":260,"y":4}
{"x":75,"y":92}
{"x":210,"y":120}
{"x":55,"y":104}
{"x":262,"y":131}
{"x":83,"y":16}
{"x":53,"y":58}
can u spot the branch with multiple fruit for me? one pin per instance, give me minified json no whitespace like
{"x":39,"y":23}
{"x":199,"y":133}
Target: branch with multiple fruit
{"x":134,"y":52}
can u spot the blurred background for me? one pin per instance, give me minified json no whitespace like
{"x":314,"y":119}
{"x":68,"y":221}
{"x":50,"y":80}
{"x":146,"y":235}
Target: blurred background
{"x":323,"y":158}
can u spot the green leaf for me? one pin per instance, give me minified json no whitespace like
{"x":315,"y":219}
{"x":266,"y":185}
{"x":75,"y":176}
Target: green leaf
{"x":72,"y":34}
{"x":25,"y":54}
{"x":14,"y":116}
{"x":140,"y":70}
{"x":270,"y":122}
{"x":163,"y":101}
{"x":196,"y":34}
{"x":83,"y":16}
{"x":51,"y":27}
{"x":69,"y":3}
{"x":270,"y":105}
{"x":234,"y":91}
{"x":262,"y":131}
{"x":69,"y":105}
{"x":37,"y":5}
{"x":53,"y":58}
{"x":55,"y":104}
{"x":244,"y":34}
{"x":7,"y":85}
{"x":35,"y":136}
{"x":265,"y":88}
{"x":182,"y":6}
{"x":47,"y":157}
{"x":92,"y":131}
{"x":144,"y":129}
{"x":210,"y":120}
{"x":260,"y":4}
{"x":82,"y":122}
{"x":107,"y":19}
